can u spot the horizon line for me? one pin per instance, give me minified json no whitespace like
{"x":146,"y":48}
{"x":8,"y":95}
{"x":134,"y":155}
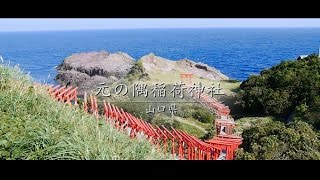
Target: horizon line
{"x":155,"y":28}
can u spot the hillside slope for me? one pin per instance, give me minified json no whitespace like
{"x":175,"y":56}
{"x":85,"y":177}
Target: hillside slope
{"x":289,"y":90}
{"x":155,"y":64}
{"x":34,"y":126}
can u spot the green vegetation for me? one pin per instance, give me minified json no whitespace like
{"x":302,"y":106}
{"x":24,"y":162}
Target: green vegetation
{"x":166,"y":121}
{"x":34,"y":126}
{"x":189,"y":125}
{"x":137,"y":72}
{"x":248,"y":122}
{"x":276,"y":141}
{"x":188,"y":117}
{"x":290,"y":90}
{"x":193,"y":126}
{"x":289,"y":94}
{"x":203,"y":115}
{"x":136,"y":109}
{"x":231,"y":81}
{"x":190,"y":129}
{"x":197,"y":112}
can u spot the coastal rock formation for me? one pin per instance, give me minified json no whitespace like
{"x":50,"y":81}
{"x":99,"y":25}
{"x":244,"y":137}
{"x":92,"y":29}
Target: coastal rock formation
{"x":154,"y":64}
{"x":88,"y":70}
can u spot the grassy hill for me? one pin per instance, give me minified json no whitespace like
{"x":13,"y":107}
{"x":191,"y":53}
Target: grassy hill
{"x":34,"y":126}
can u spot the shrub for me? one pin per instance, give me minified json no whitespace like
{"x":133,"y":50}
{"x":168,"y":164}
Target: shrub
{"x":203,"y":115}
{"x":137,"y":72}
{"x":291,"y":88}
{"x":186,"y":111}
{"x":275,"y":140}
{"x":231,"y":81}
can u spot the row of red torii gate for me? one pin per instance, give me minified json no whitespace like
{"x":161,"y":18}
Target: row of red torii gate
{"x":224,"y":123}
{"x":180,"y":144}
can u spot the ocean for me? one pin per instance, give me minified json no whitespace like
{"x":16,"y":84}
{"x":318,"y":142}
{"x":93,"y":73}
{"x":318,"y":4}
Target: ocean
{"x":236,"y":52}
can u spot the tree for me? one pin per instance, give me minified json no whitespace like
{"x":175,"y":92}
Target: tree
{"x":275,"y":140}
{"x":203,"y":115}
{"x":283,"y":89}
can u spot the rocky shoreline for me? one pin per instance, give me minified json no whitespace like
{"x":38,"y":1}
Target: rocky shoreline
{"x":87,"y":70}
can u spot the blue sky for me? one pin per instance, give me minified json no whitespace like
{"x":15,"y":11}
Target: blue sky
{"x":131,"y":23}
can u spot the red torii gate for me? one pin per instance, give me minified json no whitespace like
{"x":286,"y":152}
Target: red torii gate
{"x":230,"y":145}
{"x":225,"y":126}
{"x":187,"y":76}
{"x":64,"y":94}
{"x":183,"y":145}
{"x":225,"y":139}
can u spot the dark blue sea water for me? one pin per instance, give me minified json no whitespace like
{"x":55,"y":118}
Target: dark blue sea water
{"x":236,"y":52}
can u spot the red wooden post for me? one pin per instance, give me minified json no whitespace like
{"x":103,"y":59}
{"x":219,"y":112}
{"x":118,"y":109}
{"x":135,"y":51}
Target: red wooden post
{"x":189,"y":151}
{"x":173,"y":151}
{"x":105,"y":109}
{"x":114,"y":112}
{"x":181,"y":149}
{"x":60,"y":96}
{"x":121,"y":119}
{"x":56,"y":93}
{"x":85,"y":103}
{"x":109,"y":110}
{"x":199,"y":154}
{"x":209,"y":154}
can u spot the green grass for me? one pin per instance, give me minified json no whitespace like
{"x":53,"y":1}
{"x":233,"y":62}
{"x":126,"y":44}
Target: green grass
{"x":191,"y":130}
{"x":193,"y":126}
{"x":198,"y":123}
{"x":34,"y":126}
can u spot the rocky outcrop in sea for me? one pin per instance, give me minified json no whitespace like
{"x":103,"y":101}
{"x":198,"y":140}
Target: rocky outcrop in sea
{"x":88,"y":70}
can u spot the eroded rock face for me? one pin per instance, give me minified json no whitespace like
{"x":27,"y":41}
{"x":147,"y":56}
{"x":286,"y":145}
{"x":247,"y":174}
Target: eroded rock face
{"x":99,"y":63}
{"x":88,"y":70}
{"x":153,"y":63}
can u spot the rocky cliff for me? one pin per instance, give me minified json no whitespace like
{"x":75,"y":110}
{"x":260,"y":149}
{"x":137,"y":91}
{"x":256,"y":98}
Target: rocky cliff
{"x":88,"y":70}
{"x":154,"y":64}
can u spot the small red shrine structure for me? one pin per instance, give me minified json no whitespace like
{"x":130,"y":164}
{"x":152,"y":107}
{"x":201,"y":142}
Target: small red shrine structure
{"x":186,"y":76}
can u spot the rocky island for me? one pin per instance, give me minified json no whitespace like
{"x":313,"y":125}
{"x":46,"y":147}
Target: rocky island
{"x":87,"y":70}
